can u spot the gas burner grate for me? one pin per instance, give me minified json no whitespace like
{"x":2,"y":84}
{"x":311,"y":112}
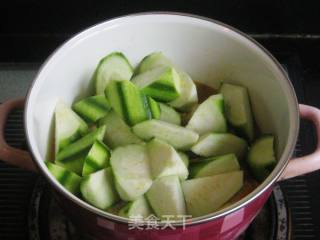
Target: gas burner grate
{"x":15,"y":186}
{"x":299,"y":203}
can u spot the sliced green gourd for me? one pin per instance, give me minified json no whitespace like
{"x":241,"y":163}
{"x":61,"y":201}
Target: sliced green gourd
{"x":237,"y":109}
{"x":97,"y":158}
{"x":162,"y":83}
{"x":132,"y":172}
{"x":209,"y":116}
{"x":128,"y":102}
{"x":184,"y":157}
{"x":165,"y":161}
{"x":188,"y":95}
{"x":216,"y":144}
{"x":118,"y":133}
{"x":72,"y":157}
{"x":214,"y":165}
{"x":137,"y":208}
{"x":168,"y":114}
{"x":177,"y":136}
{"x":152,"y":107}
{"x":261,"y":157}
{"x":207,"y":194}
{"x":166,"y":197}
{"x":114,"y":66}
{"x":98,"y":189}
{"x":151,"y":61}
{"x":68,"y":126}
{"x":92,"y":108}
{"x":66,"y":178}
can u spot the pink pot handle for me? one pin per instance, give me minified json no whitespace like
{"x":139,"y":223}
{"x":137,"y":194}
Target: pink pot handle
{"x":8,"y":154}
{"x":309,"y":163}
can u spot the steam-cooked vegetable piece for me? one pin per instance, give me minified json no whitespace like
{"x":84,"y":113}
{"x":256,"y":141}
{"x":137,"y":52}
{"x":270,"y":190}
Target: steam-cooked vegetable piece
{"x":118,"y":133}
{"x":188,"y":95}
{"x":162,"y":83}
{"x":92,"y":108}
{"x":128,"y":102}
{"x":261,"y":157}
{"x":72,"y":157}
{"x":207,"y":194}
{"x":151,"y":61}
{"x":68,"y":179}
{"x":68,"y":126}
{"x":165,"y":161}
{"x":214,"y":165}
{"x":132,"y":172}
{"x":98,"y":189}
{"x":136,"y":208}
{"x":97,"y":158}
{"x":184,"y":157}
{"x":168,"y":114}
{"x":237,"y":109}
{"x":216,"y":144}
{"x":166,"y":197}
{"x":177,"y":136}
{"x":209,"y":116}
{"x":114,"y":66}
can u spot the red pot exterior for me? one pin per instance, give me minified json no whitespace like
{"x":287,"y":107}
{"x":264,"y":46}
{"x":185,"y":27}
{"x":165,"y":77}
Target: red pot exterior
{"x":228,"y":227}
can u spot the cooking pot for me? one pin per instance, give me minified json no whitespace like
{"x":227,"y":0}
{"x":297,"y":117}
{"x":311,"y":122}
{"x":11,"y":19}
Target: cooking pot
{"x":211,"y":52}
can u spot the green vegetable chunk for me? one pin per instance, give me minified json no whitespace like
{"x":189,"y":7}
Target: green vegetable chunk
{"x":216,"y":144}
{"x":168,"y":114}
{"x":214,"y":165}
{"x":66,"y":178}
{"x":261,"y":157}
{"x":132,"y":172}
{"x":98,"y":189}
{"x":177,"y":136}
{"x":137,"y":208}
{"x":238,"y":110}
{"x":92,"y":108}
{"x":114,"y":66}
{"x":69,"y":127}
{"x":118,"y":133}
{"x":97,"y":158}
{"x":209,"y":116}
{"x":151,"y":61}
{"x":162,"y":83}
{"x":207,"y":194}
{"x":165,"y":161}
{"x":128,"y":102}
{"x":73,"y":156}
{"x":166,"y":197}
{"x":188,"y":95}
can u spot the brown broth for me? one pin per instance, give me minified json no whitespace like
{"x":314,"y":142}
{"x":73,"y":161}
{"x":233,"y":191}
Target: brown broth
{"x":249,"y":183}
{"x":204,"y":91}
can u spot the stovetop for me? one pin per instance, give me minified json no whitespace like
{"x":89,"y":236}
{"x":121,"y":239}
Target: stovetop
{"x":22,"y":214}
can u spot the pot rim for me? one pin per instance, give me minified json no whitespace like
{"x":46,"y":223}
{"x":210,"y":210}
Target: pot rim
{"x":266,"y":184}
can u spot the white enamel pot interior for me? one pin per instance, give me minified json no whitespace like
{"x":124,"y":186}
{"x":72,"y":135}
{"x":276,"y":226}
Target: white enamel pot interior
{"x":209,"y":51}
